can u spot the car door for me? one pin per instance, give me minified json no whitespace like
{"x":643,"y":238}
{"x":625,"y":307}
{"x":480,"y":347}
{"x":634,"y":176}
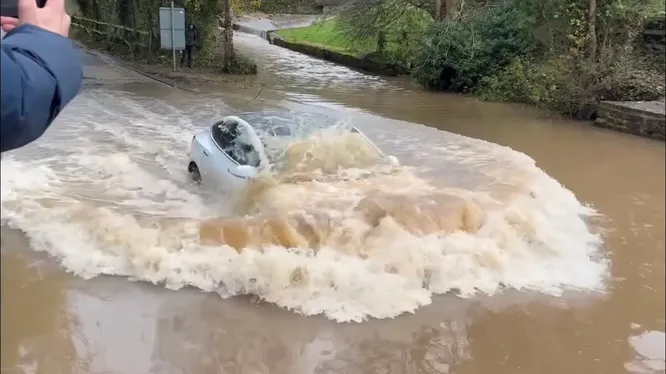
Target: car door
{"x":202,"y":153}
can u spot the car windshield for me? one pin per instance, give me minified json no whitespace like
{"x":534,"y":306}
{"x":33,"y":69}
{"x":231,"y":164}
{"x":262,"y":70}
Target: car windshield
{"x":234,"y":140}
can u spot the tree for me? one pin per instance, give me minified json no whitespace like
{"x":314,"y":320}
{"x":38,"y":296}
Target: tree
{"x":364,"y":20}
{"x":446,"y":10}
{"x":368,"y":17}
{"x":227,"y":24}
{"x":440,"y":9}
{"x":452,"y":10}
{"x":592,"y":30}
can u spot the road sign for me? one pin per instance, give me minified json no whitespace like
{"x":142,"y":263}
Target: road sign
{"x":172,"y":38}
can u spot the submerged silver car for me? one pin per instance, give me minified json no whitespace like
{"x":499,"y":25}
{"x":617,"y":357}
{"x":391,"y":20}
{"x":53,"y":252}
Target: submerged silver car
{"x":233,"y":151}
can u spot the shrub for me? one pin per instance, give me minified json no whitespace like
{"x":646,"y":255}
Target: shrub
{"x":457,"y":55}
{"x":516,"y":83}
{"x":573,"y":85}
{"x":242,"y":65}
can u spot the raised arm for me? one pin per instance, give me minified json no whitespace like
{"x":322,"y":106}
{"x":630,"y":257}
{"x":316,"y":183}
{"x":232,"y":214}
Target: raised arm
{"x":41,"y":73}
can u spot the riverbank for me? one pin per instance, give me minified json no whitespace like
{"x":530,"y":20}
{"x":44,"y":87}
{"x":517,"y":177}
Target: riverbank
{"x":99,"y":64}
{"x":643,"y":118}
{"x":205,"y":69}
{"x":325,"y":40}
{"x":450,"y":56}
{"x":288,"y":31}
{"x":363,"y":63}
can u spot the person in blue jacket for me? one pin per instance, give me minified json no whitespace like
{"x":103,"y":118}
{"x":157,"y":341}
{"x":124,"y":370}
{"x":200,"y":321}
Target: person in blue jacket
{"x":41,"y":71}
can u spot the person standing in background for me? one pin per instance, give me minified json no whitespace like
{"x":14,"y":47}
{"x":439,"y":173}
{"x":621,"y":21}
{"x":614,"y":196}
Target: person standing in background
{"x":190,"y":41}
{"x":41,"y":71}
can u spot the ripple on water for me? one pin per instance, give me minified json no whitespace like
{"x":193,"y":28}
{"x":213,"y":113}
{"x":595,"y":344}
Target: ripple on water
{"x":106,"y":192}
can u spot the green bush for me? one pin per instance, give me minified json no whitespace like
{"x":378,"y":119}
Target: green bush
{"x":457,"y":55}
{"x":573,"y":85}
{"x":516,"y":83}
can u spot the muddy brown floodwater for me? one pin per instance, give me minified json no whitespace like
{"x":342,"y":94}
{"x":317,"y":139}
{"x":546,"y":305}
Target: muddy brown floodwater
{"x":105,"y":193}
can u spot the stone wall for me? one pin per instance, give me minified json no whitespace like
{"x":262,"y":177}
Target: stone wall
{"x":646,"y":119}
{"x":354,"y":62}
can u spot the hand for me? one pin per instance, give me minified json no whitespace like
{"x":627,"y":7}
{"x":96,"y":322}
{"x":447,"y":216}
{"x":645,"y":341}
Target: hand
{"x":8,"y":23}
{"x":51,"y":17}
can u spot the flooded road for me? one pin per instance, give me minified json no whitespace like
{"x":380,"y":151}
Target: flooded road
{"x":106,"y":192}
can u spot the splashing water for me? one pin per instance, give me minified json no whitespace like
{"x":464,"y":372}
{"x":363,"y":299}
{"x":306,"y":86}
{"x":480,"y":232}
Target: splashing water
{"x":332,"y":229}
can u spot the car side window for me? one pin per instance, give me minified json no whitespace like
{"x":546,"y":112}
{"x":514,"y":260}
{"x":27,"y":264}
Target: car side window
{"x":226,"y":136}
{"x":219,"y":135}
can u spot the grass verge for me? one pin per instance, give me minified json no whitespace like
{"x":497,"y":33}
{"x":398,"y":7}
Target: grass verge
{"x":329,"y":35}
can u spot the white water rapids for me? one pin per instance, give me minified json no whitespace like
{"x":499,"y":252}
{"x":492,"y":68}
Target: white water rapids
{"x":106,"y":192}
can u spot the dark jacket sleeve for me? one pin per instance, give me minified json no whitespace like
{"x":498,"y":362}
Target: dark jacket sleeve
{"x":41,"y":73}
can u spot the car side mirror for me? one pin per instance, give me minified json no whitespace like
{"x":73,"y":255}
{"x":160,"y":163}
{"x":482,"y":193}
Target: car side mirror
{"x":243,"y":171}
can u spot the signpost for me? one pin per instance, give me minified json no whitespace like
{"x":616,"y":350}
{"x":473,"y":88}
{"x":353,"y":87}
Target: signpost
{"x":172,"y":30}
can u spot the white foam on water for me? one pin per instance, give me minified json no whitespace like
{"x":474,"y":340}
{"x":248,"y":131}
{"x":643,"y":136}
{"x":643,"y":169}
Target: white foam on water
{"x":650,"y":357}
{"x":108,"y":194}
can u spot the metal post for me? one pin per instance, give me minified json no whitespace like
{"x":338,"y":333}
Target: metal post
{"x":173,"y":39}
